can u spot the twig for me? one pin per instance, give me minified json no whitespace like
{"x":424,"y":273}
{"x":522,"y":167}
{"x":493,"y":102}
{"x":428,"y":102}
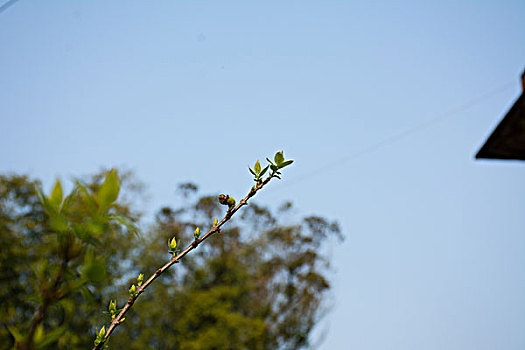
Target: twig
{"x":175,"y":259}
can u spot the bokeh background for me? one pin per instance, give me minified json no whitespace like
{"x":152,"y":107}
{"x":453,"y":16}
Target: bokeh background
{"x":381,"y":104}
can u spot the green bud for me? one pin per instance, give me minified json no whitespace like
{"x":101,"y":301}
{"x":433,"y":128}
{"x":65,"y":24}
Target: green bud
{"x":172,"y":244}
{"x":112,"y":308}
{"x":132,"y":290}
{"x":197,"y":233}
{"x":214,"y":222}
{"x":140,"y":279}
{"x":257,"y":167}
{"x":100,"y":335}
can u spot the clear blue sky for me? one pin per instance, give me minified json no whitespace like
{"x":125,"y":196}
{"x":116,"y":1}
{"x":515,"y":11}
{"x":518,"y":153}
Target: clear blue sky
{"x":434,"y":256}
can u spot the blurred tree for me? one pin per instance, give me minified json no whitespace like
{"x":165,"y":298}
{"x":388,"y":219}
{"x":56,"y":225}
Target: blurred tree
{"x":259,"y":284}
{"x":59,"y":255}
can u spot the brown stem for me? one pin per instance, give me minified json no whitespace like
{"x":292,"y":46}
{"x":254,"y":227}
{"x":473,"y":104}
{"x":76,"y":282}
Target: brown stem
{"x":117,"y":320}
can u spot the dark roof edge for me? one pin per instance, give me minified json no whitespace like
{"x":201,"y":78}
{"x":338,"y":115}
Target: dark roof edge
{"x":484,"y":153}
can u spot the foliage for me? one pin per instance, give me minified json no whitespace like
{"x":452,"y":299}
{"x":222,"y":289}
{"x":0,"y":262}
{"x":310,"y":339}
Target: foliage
{"x":58,"y":254}
{"x":260,"y":284}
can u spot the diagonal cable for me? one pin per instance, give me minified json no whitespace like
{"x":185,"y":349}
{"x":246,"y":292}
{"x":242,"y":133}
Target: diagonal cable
{"x":402,"y":134}
{"x":7,"y":5}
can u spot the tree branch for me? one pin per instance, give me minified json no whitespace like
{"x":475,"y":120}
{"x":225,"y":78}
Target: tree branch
{"x":49,"y":296}
{"x":175,"y":259}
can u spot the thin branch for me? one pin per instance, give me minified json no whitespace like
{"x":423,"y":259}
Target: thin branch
{"x":175,"y":259}
{"x":49,"y":296}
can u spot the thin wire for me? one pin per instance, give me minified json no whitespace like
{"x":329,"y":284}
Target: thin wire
{"x":401,"y":135}
{"x":7,"y":5}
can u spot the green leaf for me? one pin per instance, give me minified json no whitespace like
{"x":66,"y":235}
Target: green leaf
{"x":44,"y":202}
{"x":56,"y":195}
{"x":264,"y":170}
{"x":51,"y":337}
{"x":82,"y":232}
{"x":102,"y":331}
{"x":257,"y":167}
{"x":130,"y":226}
{"x":108,"y":191}
{"x":70,"y":199}
{"x":251,"y":171}
{"x":112,"y":307}
{"x":15,"y":333}
{"x":288,"y":162}
{"x":58,"y":223}
{"x":269,"y":161}
{"x":39,"y":334}
{"x":100,"y":335}
{"x":95,"y":272}
{"x":278,"y":158}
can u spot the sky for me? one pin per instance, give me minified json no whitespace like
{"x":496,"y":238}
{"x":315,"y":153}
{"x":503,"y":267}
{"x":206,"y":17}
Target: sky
{"x":382,"y":105}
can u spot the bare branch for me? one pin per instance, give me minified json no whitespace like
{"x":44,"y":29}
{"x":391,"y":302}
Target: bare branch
{"x":175,"y":259}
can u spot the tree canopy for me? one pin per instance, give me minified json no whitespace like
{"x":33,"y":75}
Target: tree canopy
{"x":261,"y":283}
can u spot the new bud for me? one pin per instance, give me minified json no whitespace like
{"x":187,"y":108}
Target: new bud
{"x":172,"y":244}
{"x":140,"y":279}
{"x":112,"y":308}
{"x":197,"y":233}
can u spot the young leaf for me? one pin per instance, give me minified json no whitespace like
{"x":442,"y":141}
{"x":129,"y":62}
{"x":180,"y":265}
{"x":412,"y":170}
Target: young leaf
{"x":100,"y":335}
{"x":56,"y":195}
{"x":172,"y":244}
{"x":288,"y":162}
{"x":257,"y":167}
{"x":251,"y":171}
{"x":278,"y":158}
{"x":264,"y":170}
{"x":197,"y":233}
{"x":108,"y":191}
{"x":112,"y":307}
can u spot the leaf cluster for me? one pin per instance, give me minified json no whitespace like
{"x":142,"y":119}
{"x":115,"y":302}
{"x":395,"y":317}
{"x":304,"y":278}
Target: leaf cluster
{"x":278,"y":163}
